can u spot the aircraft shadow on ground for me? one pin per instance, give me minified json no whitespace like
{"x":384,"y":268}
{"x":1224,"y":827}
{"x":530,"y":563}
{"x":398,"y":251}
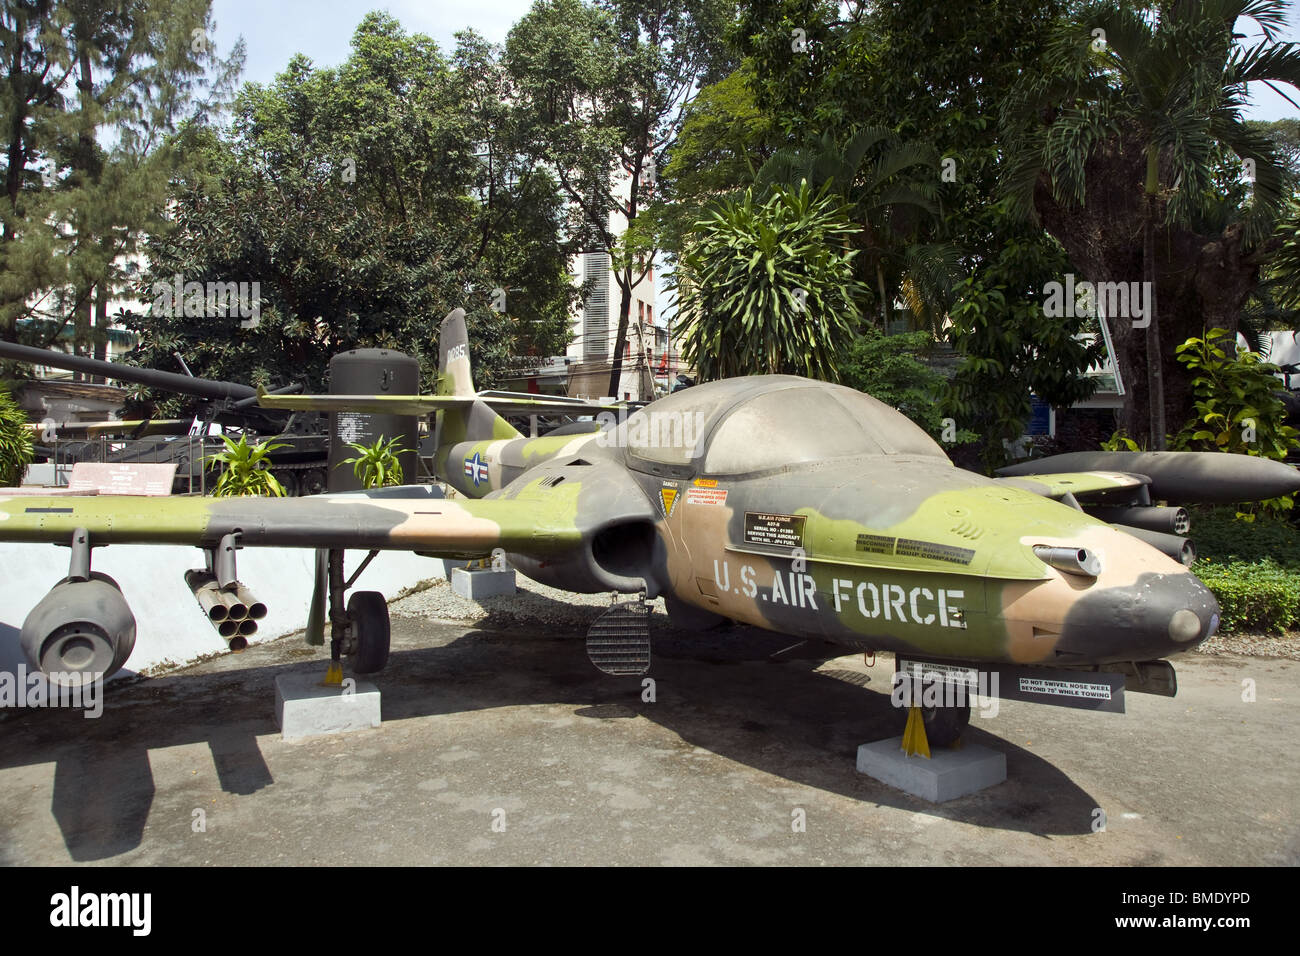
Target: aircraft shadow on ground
{"x":717,"y":690}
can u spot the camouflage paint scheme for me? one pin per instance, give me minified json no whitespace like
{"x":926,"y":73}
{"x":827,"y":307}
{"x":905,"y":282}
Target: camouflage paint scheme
{"x":786,"y":503}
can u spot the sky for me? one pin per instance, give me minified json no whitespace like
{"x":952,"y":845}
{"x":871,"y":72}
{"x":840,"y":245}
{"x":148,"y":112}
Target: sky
{"x":274,"y":30}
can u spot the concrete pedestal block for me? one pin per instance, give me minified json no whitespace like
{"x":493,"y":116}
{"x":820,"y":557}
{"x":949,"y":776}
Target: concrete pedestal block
{"x":946,"y":775}
{"x":479,"y":583}
{"x":303,"y":708}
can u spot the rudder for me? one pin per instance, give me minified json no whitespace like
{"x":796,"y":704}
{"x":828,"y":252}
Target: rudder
{"x":473,"y":422}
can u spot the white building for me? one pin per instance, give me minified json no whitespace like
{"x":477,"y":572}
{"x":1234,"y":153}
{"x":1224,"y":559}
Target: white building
{"x":648,"y":351}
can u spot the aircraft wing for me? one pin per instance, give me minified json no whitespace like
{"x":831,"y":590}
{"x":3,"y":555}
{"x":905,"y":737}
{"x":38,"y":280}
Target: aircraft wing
{"x":1077,"y":483}
{"x":1179,"y":477}
{"x":427,"y":404}
{"x":536,"y":522}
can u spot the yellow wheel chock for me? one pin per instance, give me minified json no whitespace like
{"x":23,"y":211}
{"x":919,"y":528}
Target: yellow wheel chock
{"x":914,"y":739}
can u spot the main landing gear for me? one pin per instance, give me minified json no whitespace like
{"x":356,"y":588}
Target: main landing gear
{"x":359,"y":629}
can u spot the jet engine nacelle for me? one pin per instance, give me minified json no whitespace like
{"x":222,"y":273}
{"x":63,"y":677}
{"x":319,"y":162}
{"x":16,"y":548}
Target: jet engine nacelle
{"x":620,"y":557}
{"x":81,"y":631}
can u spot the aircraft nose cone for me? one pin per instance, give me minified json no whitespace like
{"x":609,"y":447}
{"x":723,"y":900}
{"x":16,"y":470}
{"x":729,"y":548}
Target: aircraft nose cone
{"x":1185,"y":626}
{"x":1158,"y":614}
{"x":1192,"y":610}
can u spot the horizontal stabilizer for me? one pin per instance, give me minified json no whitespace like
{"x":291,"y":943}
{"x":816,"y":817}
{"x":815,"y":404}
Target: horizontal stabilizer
{"x":428,"y":404}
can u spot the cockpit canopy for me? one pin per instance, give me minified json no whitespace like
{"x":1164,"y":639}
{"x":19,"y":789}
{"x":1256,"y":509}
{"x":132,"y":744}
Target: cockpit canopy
{"x":746,"y":425}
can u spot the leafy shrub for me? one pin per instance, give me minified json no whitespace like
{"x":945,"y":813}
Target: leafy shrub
{"x":1237,"y":408}
{"x":376,"y":465}
{"x":1119,"y":441}
{"x":16,"y":451}
{"x":246,"y":470}
{"x":1221,"y":538}
{"x":1257,"y":596}
{"x":1253,"y":569}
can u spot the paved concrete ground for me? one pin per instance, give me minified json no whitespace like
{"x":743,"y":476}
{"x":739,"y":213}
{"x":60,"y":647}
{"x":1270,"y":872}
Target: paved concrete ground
{"x":485,"y":728}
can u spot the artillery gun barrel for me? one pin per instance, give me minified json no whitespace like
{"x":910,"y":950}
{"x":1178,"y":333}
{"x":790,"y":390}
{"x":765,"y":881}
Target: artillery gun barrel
{"x":172,"y":381}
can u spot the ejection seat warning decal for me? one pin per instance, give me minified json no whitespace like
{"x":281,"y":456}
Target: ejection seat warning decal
{"x":706,"y":496}
{"x":776,"y":531}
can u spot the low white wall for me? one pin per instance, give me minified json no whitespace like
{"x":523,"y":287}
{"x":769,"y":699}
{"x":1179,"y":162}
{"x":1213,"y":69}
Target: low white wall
{"x":170,"y":626}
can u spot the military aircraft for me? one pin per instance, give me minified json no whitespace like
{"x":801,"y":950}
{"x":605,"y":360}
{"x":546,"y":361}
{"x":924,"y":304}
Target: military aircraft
{"x":776,"y":501}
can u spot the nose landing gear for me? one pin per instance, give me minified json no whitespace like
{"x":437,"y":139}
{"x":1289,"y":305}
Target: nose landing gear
{"x":931,"y":721}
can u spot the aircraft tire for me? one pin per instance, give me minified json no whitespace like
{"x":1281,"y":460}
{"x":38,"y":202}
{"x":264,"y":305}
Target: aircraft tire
{"x":368,"y":612}
{"x":943,"y":725}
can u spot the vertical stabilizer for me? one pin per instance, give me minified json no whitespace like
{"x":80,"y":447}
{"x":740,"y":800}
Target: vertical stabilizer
{"x":473,"y":422}
{"x":454,"y":374}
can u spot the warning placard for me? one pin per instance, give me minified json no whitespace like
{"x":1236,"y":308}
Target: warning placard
{"x":1064,"y":688}
{"x":706,"y":496}
{"x":776,"y":531}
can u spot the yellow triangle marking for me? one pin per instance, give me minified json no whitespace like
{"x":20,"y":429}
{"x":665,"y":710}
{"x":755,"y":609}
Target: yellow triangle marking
{"x":668,"y":496}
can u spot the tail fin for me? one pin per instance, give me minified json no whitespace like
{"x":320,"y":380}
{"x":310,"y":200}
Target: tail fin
{"x":454,"y":374}
{"x":476,"y":422}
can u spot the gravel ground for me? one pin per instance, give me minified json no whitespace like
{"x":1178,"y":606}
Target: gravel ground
{"x":532,"y":605}
{"x":1254,"y":645}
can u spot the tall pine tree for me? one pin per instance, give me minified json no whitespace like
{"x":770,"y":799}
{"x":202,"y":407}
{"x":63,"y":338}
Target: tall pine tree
{"x":91,"y":93}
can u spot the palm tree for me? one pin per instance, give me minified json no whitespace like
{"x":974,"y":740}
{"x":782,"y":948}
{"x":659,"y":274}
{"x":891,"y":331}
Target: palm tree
{"x":1120,"y":135}
{"x":892,"y":188}
{"x":767,"y":286}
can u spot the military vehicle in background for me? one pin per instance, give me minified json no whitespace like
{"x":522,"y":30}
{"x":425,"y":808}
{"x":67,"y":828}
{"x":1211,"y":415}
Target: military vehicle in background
{"x":301,"y":466}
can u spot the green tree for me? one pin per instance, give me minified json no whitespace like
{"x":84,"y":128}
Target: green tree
{"x":1142,"y":113}
{"x":768,"y":288}
{"x":90,"y":92}
{"x":894,"y":369}
{"x":936,"y":74}
{"x":366,"y":201}
{"x":723,"y":142}
{"x":602,"y":90}
{"x":1011,"y":348}
{"x":1285,"y":136}
{"x":1283,"y":268}
{"x":930,"y":73}
{"x":893,"y":191}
